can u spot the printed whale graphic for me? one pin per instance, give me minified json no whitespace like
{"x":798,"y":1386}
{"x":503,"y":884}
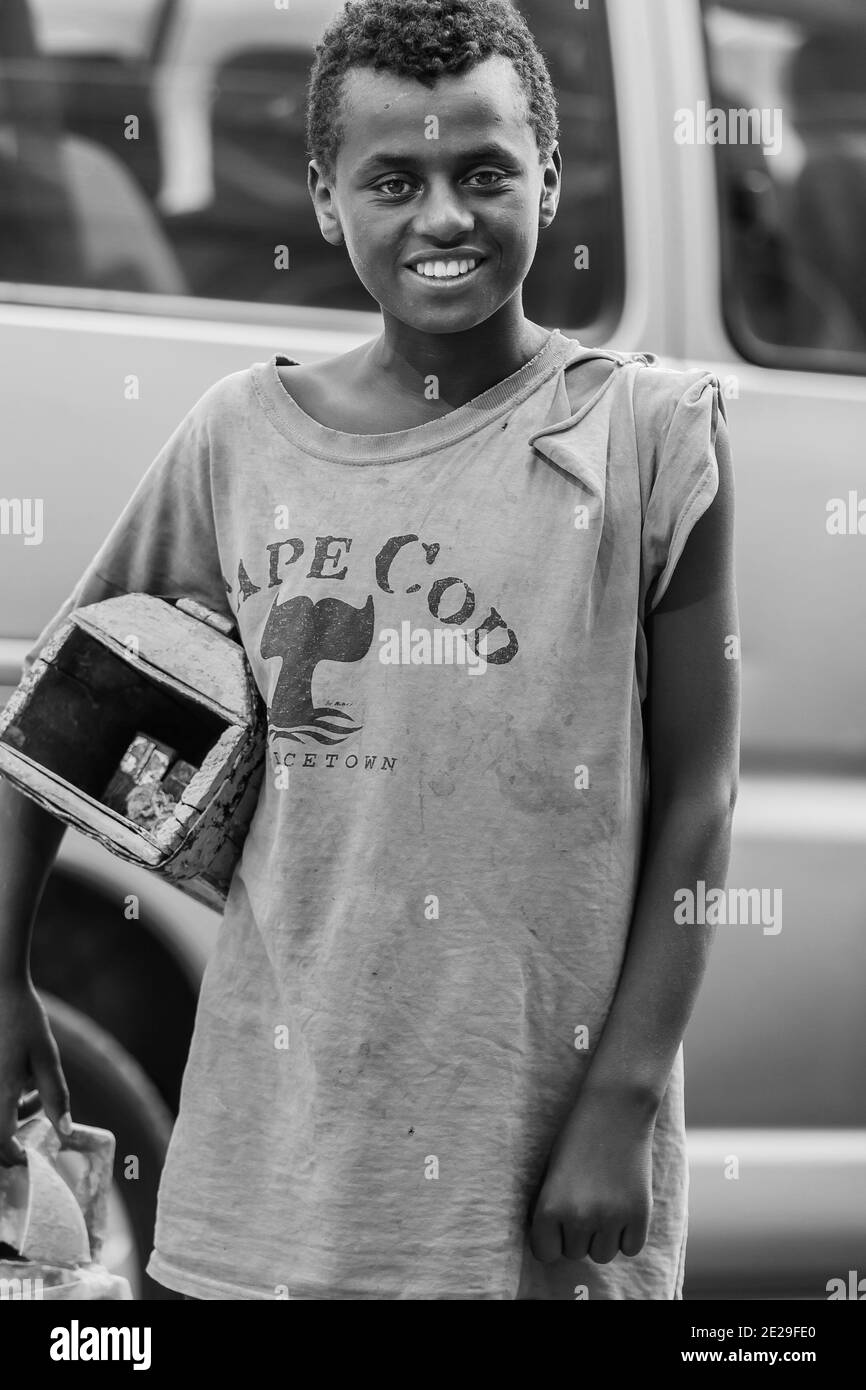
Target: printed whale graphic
{"x":303,"y":633}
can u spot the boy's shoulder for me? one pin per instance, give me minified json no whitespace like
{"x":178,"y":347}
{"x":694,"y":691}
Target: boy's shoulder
{"x":329,"y":392}
{"x":660,"y":391}
{"x":656,"y":391}
{"x":227,"y":395}
{"x":656,"y":380}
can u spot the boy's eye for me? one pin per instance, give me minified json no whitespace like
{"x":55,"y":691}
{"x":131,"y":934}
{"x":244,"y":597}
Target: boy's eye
{"x":495,"y":175}
{"x":386,"y":186}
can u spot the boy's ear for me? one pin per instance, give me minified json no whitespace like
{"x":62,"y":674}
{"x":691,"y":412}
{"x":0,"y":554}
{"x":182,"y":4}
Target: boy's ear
{"x":319,"y":187}
{"x":551,"y":186}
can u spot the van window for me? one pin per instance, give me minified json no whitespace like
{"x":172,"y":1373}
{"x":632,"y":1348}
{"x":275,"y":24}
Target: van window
{"x":156,"y":147}
{"x":792,"y":190}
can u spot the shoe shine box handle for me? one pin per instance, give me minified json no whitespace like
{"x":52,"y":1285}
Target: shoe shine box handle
{"x":140,"y":724}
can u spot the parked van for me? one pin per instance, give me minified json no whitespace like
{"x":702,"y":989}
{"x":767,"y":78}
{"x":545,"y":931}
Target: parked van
{"x":152,"y":175}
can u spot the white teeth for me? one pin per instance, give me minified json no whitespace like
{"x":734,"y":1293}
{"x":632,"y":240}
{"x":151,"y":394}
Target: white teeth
{"x":444,"y":270}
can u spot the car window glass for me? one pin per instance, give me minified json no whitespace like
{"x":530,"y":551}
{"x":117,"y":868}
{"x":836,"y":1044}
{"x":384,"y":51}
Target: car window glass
{"x":792,"y":198}
{"x":157,"y":147}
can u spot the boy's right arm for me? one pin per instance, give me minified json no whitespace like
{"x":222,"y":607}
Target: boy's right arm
{"x":163,"y":543}
{"x":29,"y":840}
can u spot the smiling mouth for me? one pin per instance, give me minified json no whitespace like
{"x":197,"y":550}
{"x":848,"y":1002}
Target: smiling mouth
{"x":446,"y":272}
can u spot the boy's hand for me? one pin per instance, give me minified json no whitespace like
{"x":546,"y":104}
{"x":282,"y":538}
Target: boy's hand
{"x":596,"y":1198}
{"x":27,"y":1049}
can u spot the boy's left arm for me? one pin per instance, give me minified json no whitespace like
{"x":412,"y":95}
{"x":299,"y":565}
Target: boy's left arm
{"x":596,"y":1197}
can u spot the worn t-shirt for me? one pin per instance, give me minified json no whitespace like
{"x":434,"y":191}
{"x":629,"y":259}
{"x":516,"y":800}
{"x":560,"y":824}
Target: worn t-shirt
{"x":424,"y":933}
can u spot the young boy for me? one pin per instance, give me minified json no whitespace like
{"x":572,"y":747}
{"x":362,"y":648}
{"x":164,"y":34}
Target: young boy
{"x":438,"y":1049}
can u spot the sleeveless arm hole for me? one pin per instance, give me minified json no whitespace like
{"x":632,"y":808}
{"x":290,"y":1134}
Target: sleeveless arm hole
{"x":680,"y":422}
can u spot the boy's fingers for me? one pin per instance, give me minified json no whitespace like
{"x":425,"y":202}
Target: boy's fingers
{"x":634,"y":1238}
{"x":11,"y":1149}
{"x":604,"y":1245}
{"x":545,"y":1238}
{"x":11,"y":1152}
{"x":576,"y":1242}
{"x":51,"y":1083}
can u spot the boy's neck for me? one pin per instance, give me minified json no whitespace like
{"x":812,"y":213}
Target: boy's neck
{"x":465,"y":364}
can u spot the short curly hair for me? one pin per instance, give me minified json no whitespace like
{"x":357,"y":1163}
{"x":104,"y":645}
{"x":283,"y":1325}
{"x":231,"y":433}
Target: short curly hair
{"x":423,"y":39}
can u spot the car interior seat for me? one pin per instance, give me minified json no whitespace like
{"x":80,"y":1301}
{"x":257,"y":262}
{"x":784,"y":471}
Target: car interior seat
{"x":70,"y":212}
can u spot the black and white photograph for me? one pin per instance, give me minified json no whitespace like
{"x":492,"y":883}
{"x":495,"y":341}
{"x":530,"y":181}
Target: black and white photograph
{"x":432,"y":665}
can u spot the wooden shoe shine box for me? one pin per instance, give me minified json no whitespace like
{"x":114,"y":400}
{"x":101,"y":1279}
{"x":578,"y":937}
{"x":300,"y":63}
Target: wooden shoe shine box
{"x":133,"y":680}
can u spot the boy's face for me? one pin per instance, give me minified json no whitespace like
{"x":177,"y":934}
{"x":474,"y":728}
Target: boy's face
{"x":446,"y":174}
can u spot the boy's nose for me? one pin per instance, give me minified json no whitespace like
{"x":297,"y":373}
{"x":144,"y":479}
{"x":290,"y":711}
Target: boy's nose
{"x":442,"y":213}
